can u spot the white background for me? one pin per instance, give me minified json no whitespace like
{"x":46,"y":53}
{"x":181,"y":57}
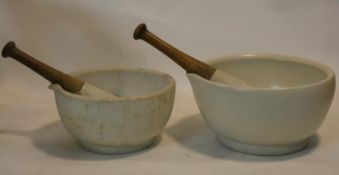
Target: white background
{"x":78,"y":34}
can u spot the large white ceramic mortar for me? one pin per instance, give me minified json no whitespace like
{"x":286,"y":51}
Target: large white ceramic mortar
{"x":285,"y":103}
{"x":121,"y":125}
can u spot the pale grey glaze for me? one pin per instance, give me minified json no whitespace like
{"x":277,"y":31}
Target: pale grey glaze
{"x":122,"y":125}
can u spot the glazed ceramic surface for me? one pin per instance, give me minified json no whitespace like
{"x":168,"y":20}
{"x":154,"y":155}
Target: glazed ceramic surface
{"x":122,"y":125}
{"x":286,"y":101}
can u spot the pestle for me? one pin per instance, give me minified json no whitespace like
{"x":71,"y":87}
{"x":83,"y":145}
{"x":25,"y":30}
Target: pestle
{"x":190,"y":64}
{"x":66,"y":81}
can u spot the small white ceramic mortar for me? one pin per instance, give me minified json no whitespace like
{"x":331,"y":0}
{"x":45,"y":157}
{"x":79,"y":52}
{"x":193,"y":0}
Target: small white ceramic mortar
{"x":123,"y":125}
{"x":288,"y":99}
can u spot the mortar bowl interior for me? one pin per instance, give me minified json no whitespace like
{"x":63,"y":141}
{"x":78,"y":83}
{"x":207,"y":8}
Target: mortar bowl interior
{"x":265,"y":71}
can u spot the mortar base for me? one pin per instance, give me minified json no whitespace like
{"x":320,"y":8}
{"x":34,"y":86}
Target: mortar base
{"x":104,"y":149}
{"x":263,"y":150}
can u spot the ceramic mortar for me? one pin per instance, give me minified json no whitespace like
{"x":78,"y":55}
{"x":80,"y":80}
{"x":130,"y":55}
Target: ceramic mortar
{"x":285,"y":103}
{"x":122,"y":125}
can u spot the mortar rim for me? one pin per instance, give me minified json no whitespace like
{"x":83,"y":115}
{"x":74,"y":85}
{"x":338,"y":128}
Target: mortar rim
{"x":330,"y":75}
{"x":170,"y":84}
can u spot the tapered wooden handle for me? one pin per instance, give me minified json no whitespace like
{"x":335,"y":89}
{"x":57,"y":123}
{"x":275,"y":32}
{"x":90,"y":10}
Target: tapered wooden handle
{"x":66,"y":81}
{"x":190,"y":64}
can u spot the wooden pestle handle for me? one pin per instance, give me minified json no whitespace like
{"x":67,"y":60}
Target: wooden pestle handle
{"x":190,"y":64}
{"x":66,"y":81}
